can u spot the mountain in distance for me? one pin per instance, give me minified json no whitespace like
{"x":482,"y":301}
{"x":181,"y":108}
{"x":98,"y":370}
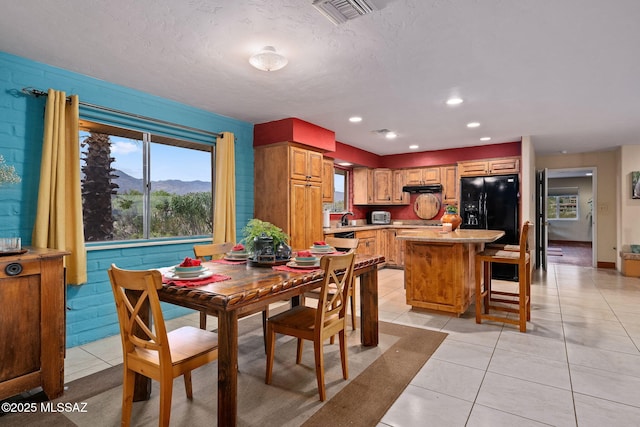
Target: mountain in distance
{"x":172,"y":186}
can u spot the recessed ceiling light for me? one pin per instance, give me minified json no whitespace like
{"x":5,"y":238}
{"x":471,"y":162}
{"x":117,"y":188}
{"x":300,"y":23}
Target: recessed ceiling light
{"x":454,"y":101}
{"x":390,"y":135}
{"x":485,"y":138}
{"x":563,"y":152}
{"x":355,"y":119}
{"x":413,"y":147}
{"x":473,"y":125}
{"x":345,"y":164}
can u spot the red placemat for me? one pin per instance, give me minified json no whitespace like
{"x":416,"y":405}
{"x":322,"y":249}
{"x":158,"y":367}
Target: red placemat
{"x":193,"y":283}
{"x":295,"y":270}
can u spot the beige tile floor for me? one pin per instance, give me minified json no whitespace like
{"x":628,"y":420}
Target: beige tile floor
{"x":578,"y":363}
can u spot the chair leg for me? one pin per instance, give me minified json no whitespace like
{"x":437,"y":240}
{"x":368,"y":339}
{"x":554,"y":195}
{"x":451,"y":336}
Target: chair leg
{"x":343,"y":354}
{"x":487,"y":286}
{"x":166,"y":389}
{"x":478,"y":291}
{"x":188,"y":387}
{"x":352,"y":297}
{"x":203,"y":320}
{"x":299,"y":351}
{"x":271,"y":344}
{"x":127,"y":396}
{"x":319,"y":356}
{"x":522,"y":298}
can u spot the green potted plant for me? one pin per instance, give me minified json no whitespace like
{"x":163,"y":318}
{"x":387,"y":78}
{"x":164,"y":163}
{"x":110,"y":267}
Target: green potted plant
{"x":256,"y":229}
{"x":451,"y":216}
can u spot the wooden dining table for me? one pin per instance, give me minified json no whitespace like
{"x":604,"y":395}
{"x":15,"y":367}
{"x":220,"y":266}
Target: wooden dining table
{"x":249,"y":288}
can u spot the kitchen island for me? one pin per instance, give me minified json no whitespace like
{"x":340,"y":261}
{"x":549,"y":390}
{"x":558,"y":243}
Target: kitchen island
{"x":439,"y":271}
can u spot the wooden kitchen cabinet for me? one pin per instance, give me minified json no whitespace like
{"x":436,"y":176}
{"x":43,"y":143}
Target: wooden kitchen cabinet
{"x":303,"y":227}
{"x":327,"y":181}
{"x":449,"y":175}
{"x":362,"y":186}
{"x":399,"y":197}
{"x":368,"y":242}
{"x":382,"y":186}
{"x":501,"y":166}
{"x":32,"y":322}
{"x":423,"y":176}
{"x":306,"y":164}
{"x":285,"y":200}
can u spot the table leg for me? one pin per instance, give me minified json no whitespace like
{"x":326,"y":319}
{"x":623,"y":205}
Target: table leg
{"x":369,"y":307}
{"x":227,"y":368}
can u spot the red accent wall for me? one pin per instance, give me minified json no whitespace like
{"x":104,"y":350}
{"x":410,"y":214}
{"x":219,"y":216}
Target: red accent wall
{"x":348,"y":153}
{"x":452,"y":155}
{"x":294,"y":130}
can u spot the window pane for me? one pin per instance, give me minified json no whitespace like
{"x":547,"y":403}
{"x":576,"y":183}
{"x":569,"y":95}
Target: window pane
{"x":181,"y":198}
{"x":112,"y":187}
{"x":340,"y":195}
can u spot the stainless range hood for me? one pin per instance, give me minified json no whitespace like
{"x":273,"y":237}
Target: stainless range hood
{"x":434,"y":188}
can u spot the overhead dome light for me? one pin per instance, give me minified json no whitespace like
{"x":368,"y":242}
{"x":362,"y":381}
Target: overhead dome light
{"x":355,"y":119}
{"x":454,"y":101}
{"x":268,"y":59}
{"x":473,"y":125}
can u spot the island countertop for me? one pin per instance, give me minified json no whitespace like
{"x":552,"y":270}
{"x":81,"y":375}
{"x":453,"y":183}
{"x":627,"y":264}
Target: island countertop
{"x":457,"y":236}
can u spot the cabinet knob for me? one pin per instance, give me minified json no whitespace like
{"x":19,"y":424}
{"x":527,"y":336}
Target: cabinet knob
{"x":13,"y":269}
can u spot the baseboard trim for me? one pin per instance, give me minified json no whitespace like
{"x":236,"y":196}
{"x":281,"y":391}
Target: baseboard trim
{"x":602,"y":264}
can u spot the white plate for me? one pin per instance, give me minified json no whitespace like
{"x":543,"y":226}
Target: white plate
{"x":316,"y":261}
{"x":171,"y":275}
{"x":294,"y":264}
{"x":235,"y":255}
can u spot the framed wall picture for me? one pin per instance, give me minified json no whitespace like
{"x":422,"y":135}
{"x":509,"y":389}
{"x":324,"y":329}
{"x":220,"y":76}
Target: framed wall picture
{"x":635,"y":185}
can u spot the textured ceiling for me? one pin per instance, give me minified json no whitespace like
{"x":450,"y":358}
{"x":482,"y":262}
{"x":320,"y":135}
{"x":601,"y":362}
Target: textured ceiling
{"x":564,"y":72}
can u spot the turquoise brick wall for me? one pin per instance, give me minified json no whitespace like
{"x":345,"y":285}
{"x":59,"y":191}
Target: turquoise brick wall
{"x":90,"y":308}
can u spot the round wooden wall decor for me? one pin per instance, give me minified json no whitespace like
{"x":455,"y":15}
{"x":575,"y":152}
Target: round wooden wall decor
{"x":426,"y":206}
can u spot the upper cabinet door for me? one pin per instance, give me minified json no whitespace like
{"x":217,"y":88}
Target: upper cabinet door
{"x":382,"y":186}
{"x":327,"y":181}
{"x":305,"y":164}
{"x":422,"y":176}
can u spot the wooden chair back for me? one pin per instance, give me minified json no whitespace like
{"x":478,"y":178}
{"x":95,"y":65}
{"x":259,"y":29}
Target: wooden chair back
{"x":334,"y":292}
{"x":342,"y":242}
{"x":524,"y":239}
{"x":211,"y":250}
{"x":134,"y":291}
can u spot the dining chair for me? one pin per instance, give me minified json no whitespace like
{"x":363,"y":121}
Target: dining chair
{"x":319,"y":323}
{"x":152,"y":351}
{"x":488,"y":299}
{"x":216,"y":251}
{"x":207,"y":252}
{"x":340,"y":243}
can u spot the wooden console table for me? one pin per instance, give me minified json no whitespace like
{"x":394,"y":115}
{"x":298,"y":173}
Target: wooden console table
{"x":32,"y":322}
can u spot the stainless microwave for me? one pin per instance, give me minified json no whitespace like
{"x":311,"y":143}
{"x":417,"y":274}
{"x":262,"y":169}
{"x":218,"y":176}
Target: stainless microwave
{"x":380,"y":217}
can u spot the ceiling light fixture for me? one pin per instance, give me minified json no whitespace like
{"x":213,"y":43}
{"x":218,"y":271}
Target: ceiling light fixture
{"x":454,"y":101}
{"x":390,"y":135}
{"x":413,"y":147}
{"x":485,"y":138}
{"x":355,"y":119}
{"x":473,"y":125}
{"x":268,"y":59}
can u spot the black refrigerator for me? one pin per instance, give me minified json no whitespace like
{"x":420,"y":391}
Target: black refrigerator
{"x":491,"y":202}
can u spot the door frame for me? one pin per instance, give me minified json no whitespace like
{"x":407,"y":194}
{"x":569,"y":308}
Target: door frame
{"x":542,"y":241}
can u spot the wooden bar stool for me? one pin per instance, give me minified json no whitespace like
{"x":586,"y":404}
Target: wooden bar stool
{"x":488,"y":299}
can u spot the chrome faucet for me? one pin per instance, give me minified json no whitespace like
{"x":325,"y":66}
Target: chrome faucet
{"x":343,"y":219}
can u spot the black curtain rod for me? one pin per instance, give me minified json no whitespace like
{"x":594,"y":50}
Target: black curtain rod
{"x":38,"y":93}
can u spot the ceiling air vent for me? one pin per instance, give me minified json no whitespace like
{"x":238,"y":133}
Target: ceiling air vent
{"x":339,"y":11}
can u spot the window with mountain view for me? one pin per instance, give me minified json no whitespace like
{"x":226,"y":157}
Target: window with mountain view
{"x":136,"y":185}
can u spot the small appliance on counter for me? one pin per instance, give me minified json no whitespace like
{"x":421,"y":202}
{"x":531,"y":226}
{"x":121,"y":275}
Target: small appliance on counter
{"x":379,"y":217}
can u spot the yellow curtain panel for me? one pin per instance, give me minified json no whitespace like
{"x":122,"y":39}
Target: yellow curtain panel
{"x":59,"y":213}
{"x":224,"y":216}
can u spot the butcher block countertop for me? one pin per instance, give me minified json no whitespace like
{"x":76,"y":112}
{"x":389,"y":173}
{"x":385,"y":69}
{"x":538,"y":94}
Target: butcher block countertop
{"x":458,"y":236}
